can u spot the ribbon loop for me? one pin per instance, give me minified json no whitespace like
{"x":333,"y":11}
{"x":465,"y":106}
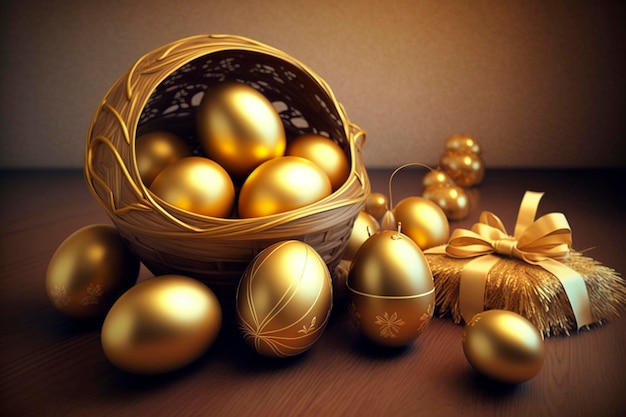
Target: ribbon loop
{"x":540,"y":242}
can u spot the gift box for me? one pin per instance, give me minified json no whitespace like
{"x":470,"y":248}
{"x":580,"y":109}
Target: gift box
{"x":535,"y":273}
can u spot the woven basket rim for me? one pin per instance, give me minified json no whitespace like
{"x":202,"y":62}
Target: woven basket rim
{"x":195,"y":47}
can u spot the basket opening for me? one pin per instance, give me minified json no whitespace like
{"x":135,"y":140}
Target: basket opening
{"x":302,"y":103}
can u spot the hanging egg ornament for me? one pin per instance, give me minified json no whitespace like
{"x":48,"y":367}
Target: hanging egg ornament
{"x":198,"y":185}
{"x":156,"y":150}
{"x":452,"y":199}
{"x":365,"y":225}
{"x":462,"y":143}
{"x":282,"y":184}
{"x":161,"y":324}
{"x":391,"y":290}
{"x":503,"y":346}
{"x":436,"y":177}
{"x":377,"y":205}
{"x":325,"y":153}
{"x":89,"y":270}
{"x":284,"y":299}
{"x":465,"y":168}
{"x":239,"y":128}
{"x":423,"y":221}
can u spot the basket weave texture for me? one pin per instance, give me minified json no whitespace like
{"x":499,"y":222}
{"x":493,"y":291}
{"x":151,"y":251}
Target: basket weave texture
{"x":162,"y":91}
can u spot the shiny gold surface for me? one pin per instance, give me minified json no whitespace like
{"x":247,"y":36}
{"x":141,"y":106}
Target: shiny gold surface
{"x":284,"y":299}
{"x":161,"y":324}
{"x":365,"y":225}
{"x":89,"y":270}
{"x":198,"y":185}
{"x":325,"y":153}
{"x":423,"y":221}
{"x":390,"y":264}
{"x":391,"y":289}
{"x":504,"y":346}
{"x":156,"y":150}
{"x":465,"y":168}
{"x":282,"y":184}
{"x":391,"y":321}
{"x":376,"y":205}
{"x":462,"y":143}
{"x":436,"y":177}
{"x":452,"y":199}
{"x":239,"y":128}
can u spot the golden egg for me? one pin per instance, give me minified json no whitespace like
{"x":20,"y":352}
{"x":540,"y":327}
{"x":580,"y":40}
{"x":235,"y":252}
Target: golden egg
{"x":376,"y":205}
{"x":239,"y":128}
{"x":284,"y":299}
{"x":89,"y":270}
{"x":161,"y":324}
{"x":282,"y":184}
{"x":156,"y":150}
{"x":391,"y":289}
{"x":198,"y":185}
{"x":423,"y":221}
{"x":388,"y":222}
{"x":365,"y":225}
{"x":452,"y":199}
{"x":324,"y":152}
{"x":436,"y":177}
{"x":466,"y":169}
{"x":504,"y":346}
{"x":462,"y":143}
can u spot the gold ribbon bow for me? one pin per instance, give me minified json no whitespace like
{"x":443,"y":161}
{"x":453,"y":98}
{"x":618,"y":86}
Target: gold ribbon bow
{"x":540,"y":242}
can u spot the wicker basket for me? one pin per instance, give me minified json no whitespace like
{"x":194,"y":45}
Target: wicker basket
{"x":162,"y":91}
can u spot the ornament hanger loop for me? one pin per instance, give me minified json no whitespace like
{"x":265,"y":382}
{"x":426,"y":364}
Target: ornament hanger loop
{"x":398,"y":169}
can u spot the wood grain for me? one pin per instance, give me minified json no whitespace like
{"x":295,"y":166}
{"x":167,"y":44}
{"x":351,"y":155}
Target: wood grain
{"x":53,"y":366}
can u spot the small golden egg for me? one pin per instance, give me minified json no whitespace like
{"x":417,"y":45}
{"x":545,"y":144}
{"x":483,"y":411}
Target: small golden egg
{"x":282,"y":184}
{"x":365,"y":225}
{"x":156,"y":150}
{"x":391,"y":289}
{"x":324,"y":152}
{"x":466,"y":169}
{"x":89,"y":270}
{"x":239,"y":128}
{"x":198,"y":185}
{"x":376,"y":205}
{"x":423,"y":221}
{"x":452,"y":199}
{"x":161,"y":324}
{"x":284,"y":299}
{"x":436,"y":177}
{"x":504,"y":346}
{"x":462,"y":143}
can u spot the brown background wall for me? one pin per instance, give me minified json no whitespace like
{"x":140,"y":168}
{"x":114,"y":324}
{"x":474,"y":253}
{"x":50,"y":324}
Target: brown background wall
{"x":538,"y":83}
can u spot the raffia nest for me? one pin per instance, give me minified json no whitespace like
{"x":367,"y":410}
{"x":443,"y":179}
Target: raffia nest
{"x":533,"y":292}
{"x":161,"y":91}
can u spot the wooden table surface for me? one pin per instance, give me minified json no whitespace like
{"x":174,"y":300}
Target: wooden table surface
{"x":53,"y":366}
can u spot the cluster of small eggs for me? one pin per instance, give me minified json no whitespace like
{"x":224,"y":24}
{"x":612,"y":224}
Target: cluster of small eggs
{"x":249,"y":168}
{"x":461,"y":166}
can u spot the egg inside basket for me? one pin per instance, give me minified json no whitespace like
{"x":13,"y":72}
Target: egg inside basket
{"x":162,"y":91}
